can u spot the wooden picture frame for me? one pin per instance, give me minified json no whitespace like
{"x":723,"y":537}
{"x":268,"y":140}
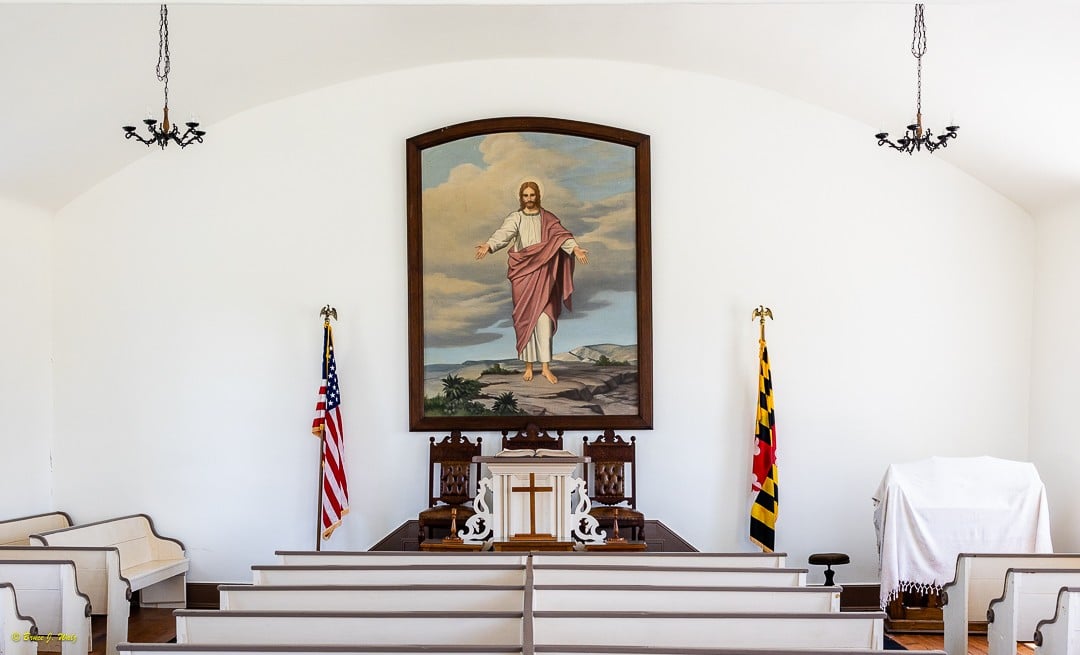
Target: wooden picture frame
{"x":466,"y":319}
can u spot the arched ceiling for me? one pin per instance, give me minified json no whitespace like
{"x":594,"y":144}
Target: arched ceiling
{"x":1005,"y":71}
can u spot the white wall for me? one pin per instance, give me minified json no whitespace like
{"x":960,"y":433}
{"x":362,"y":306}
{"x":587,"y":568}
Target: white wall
{"x":191,"y":283}
{"x":1056,"y":359}
{"x":26,"y":318}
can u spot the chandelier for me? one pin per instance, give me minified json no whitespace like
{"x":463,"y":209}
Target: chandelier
{"x":916,"y":138}
{"x":165,"y":132}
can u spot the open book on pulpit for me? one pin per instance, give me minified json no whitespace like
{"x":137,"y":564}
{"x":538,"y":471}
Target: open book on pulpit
{"x":538,"y":452}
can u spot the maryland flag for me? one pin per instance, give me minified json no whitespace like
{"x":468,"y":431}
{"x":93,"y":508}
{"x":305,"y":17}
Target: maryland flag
{"x":766,"y":504}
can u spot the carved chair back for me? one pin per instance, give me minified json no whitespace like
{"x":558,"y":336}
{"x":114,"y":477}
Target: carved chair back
{"x":450,"y":462}
{"x":611,"y":459}
{"x":532,"y":437}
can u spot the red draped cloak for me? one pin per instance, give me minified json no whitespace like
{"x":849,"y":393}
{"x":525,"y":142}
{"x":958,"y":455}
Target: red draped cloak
{"x":541,"y":278}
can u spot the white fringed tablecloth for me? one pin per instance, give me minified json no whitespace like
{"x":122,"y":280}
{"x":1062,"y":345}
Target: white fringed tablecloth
{"x":928,"y":511}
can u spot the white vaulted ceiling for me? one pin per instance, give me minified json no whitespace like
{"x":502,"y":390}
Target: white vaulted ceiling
{"x":1005,"y":71}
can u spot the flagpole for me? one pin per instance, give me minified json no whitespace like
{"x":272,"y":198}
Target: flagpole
{"x":326,"y":313}
{"x":761,"y":312}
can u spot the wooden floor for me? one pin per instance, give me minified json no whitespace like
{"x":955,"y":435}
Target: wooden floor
{"x":159,"y":626}
{"x":146,"y":626}
{"x":976,"y":643}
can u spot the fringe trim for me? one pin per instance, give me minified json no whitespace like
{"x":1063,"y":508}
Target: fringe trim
{"x":910,"y":585}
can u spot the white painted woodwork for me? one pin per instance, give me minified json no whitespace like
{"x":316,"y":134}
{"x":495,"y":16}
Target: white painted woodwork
{"x":228,"y":649}
{"x":48,"y":592}
{"x":627,"y":598}
{"x":372,"y":598}
{"x":665,"y":576}
{"x":156,"y":565}
{"x":13,"y":623}
{"x":97,"y":570}
{"x":1060,"y":635}
{"x":16,"y":532}
{"x":980,"y":578}
{"x":519,"y":512}
{"x":345,"y":628}
{"x":839,"y":630}
{"x":1030,"y":596}
{"x":389,"y":575}
{"x":719,"y":560}
{"x":395,"y":558}
{"x":663,"y":650}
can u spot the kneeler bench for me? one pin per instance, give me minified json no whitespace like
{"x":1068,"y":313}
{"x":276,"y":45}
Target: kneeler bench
{"x":149,"y":562}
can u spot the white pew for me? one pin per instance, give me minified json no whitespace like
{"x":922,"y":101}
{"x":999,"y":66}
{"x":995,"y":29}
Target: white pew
{"x":979,"y":578}
{"x":674,"y":576}
{"x":394,"y":558}
{"x":348,"y":628}
{"x":835,"y":630}
{"x":1030,"y":596}
{"x":499,"y":574}
{"x":230,"y":649}
{"x":697,"y":560}
{"x":16,"y":532}
{"x":651,"y":650}
{"x":151,"y":563}
{"x":48,"y":592}
{"x":373,"y":598}
{"x":637,"y":598}
{"x":14,"y":627}
{"x":97,"y":570}
{"x":1060,"y":635}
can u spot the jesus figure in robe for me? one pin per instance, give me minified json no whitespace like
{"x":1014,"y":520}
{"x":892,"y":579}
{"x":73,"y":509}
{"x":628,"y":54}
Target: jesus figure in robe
{"x":540,"y":267}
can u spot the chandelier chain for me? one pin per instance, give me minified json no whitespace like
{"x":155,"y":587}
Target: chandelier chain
{"x":164,"y":65}
{"x":918,"y":49}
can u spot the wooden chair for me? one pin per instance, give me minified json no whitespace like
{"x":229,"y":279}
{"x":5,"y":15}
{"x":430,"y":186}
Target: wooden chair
{"x":532,"y":437}
{"x":450,"y":462}
{"x":612,"y":461}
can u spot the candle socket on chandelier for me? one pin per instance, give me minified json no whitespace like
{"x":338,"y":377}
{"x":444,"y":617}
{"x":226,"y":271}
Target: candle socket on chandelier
{"x":166,"y":132}
{"x":917,"y":138}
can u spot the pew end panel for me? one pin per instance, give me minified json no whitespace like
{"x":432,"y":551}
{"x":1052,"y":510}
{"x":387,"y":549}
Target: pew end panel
{"x":48,"y":591}
{"x":13,"y":623}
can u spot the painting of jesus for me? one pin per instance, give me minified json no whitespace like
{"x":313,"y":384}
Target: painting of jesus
{"x":555,"y":334}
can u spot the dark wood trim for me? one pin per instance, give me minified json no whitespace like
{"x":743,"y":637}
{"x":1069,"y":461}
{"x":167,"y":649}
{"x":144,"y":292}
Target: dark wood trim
{"x":415,"y":246}
{"x":659,"y":538}
{"x":203,"y":596}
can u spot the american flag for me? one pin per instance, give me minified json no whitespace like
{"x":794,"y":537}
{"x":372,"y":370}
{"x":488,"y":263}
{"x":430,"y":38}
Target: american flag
{"x":334,"y":503}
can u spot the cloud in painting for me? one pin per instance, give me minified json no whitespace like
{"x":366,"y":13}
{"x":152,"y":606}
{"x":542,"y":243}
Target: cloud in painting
{"x":584,"y":183}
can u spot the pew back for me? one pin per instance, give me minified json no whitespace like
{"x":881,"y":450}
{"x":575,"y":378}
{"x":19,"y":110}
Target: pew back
{"x":16,"y":532}
{"x":152,"y":563}
{"x":372,"y":598}
{"x":638,"y":598}
{"x":240,"y":649}
{"x":695,"y":560}
{"x":391,"y":558}
{"x":345,"y":628}
{"x":676,"y":576}
{"x":338,"y":574}
{"x":840,"y":630}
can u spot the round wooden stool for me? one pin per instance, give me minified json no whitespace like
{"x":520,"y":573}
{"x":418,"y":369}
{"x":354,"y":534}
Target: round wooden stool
{"x":829,"y":560}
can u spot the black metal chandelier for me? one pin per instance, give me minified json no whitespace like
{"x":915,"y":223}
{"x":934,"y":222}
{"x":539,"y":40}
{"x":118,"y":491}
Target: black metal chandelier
{"x":916,"y":138}
{"x":166,"y":132}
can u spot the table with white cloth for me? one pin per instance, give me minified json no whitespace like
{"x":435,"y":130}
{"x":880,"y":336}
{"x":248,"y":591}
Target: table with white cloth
{"x":928,"y":511}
